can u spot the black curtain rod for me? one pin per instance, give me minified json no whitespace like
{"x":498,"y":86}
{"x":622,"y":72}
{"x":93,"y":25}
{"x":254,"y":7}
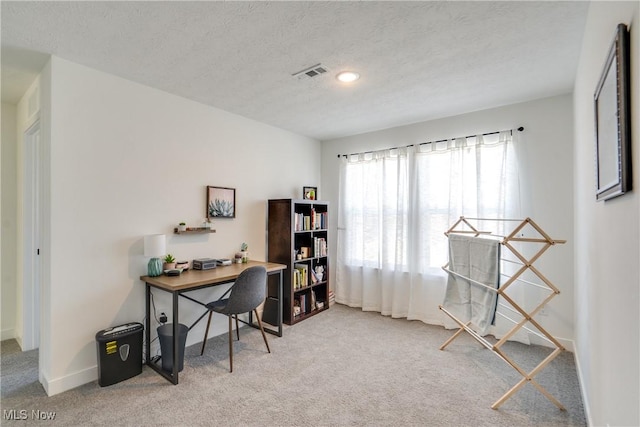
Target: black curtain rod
{"x":520,"y":129}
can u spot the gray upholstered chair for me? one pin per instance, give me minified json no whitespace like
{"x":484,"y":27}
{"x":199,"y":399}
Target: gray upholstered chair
{"x":247,"y":293}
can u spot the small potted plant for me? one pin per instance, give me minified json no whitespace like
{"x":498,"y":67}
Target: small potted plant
{"x":182,"y":226}
{"x":169,"y":262}
{"x":245,"y":254}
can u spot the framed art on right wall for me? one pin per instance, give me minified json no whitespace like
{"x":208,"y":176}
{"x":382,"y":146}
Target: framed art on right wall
{"x":612,"y":121}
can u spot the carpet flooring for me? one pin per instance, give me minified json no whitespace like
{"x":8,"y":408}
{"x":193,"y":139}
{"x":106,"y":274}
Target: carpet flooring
{"x":343,"y":367}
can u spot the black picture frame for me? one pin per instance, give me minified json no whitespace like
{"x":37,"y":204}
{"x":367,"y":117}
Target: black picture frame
{"x":612,"y":121}
{"x":310,"y":193}
{"x":221,"y":202}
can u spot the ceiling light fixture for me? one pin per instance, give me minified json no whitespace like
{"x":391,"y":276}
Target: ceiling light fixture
{"x":348,"y":76}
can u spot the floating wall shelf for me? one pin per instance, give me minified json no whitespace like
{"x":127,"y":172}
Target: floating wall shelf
{"x":194,"y":230}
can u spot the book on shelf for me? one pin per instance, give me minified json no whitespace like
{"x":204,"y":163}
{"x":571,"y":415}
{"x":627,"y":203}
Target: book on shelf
{"x":319,"y":246}
{"x":312,"y":225}
{"x":301,"y":271}
{"x":318,"y":220}
{"x":314,"y":221}
{"x":302,"y":222}
{"x":317,"y":274}
{"x":303,"y":304}
{"x":296,"y":279}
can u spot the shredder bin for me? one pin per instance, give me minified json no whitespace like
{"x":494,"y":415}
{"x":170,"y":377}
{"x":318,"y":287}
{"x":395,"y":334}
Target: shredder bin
{"x":165,"y":334}
{"x":119,"y":353}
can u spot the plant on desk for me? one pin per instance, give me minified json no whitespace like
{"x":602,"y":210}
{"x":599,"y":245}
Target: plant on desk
{"x":169,"y":262}
{"x":244,"y":254}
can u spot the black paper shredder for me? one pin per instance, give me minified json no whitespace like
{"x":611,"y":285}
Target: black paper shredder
{"x":119,"y":353}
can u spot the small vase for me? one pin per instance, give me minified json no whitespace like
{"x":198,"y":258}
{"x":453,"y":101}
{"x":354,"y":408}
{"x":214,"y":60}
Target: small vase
{"x":154,"y":268}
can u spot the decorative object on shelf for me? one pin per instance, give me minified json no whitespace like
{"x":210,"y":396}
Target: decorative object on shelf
{"x":154,"y":247}
{"x":169,"y":262}
{"x":305,"y":251}
{"x":613,"y":121}
{"x":310,"y":193}
{"x":182,"y":226}
{"x":221,"y":202}
{"x":319,"y":272}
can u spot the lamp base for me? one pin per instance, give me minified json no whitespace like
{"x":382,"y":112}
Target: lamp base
{"x":154,"y":268}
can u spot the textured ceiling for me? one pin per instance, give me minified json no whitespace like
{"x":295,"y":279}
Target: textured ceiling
{"x":418,"y":60}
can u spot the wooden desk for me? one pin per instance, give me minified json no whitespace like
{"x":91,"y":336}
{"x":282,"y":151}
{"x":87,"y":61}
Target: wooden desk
{"x":192,"y":280}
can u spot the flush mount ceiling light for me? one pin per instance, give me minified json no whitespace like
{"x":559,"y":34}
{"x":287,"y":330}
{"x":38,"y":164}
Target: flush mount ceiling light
{"x":348,"y":76}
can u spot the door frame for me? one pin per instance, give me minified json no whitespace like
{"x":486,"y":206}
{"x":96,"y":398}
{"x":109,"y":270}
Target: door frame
{"x":32,"y":220}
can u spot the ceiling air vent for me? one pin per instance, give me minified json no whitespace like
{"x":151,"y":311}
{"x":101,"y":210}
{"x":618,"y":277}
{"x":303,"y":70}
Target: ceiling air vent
{"x":310,"y":72}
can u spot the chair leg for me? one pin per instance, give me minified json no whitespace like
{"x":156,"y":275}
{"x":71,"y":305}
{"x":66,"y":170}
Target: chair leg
{"x":264,"y":336}
{"x":237,"y":328}
{"x":230,"y":345}
{"x":206,"y":334}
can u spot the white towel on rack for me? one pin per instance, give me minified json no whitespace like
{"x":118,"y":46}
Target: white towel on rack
{"x":477,"y":259}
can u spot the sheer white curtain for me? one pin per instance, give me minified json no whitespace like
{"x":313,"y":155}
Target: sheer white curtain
{"x":394,"y":208}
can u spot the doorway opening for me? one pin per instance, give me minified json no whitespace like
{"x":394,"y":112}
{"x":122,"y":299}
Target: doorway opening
{"x":31,"y":283}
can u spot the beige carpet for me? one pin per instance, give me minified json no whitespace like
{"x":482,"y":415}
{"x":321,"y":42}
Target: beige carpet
{"x":343,"y":367}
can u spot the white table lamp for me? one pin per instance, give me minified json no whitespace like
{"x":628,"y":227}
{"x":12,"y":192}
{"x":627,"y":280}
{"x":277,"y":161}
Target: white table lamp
{"x":155,"y":247}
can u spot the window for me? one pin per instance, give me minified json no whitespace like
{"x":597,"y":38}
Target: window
{"x":396,"y":204}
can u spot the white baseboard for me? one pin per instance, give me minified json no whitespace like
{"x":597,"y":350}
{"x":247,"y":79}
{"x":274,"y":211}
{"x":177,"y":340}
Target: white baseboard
{"x":565,"y":342}
{"x":7,"y":334}
{"x":585,"y":400}
{"x":68,"y":382}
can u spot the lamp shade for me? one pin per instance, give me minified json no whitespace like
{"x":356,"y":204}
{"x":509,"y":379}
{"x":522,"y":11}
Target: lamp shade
{"x":155,"y":245}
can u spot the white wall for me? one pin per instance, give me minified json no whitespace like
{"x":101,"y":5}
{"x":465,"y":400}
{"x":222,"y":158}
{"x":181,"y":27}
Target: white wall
{"x":545,"y":151}
{"x":126,"y":161}
{"x":9,"y":216}
{"x":607,"y":240}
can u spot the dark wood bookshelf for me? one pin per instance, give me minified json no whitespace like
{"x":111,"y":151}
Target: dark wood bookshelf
{"x":292,"y":226}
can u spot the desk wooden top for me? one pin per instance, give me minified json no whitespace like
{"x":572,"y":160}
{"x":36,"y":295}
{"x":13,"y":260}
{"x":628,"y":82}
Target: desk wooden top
{"x":196,"y":278}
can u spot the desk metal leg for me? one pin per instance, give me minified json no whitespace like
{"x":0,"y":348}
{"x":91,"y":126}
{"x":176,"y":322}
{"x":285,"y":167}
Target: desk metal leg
{"x":147,"y":324}
{"x":279,"y":317}
{"x":176,"y":323}
{"x":280,"y":303}
{"x":173,"y":377}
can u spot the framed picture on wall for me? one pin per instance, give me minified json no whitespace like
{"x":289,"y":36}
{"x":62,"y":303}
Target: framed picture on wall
{"x":221,"y":202}
{"x":612,"y":121}
{"x":310,"y":193}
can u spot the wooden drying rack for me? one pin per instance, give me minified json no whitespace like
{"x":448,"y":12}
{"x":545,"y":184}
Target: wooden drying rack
{"x":464,"y":226}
